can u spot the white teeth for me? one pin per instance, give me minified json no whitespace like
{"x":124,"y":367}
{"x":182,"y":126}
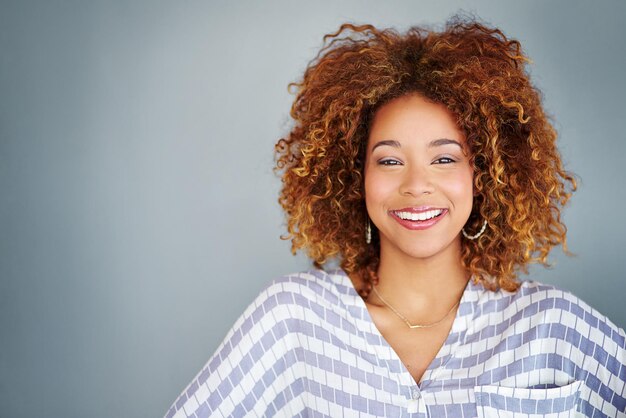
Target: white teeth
{"x":422,"y":216}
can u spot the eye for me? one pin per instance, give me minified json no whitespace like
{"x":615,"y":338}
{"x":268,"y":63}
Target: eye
{"x":389,"y":161}
{"x":444,"y":160}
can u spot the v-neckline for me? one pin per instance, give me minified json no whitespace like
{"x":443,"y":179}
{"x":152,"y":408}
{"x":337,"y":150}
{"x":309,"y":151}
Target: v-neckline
{"x":456,"y":334}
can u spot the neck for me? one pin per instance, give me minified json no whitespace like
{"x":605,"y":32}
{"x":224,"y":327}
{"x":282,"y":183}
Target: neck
{"x":421,"y":288}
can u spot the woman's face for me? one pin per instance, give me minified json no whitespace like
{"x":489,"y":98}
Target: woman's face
{"x":418,"y":178}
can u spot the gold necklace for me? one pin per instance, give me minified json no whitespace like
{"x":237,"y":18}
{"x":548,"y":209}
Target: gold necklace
{"x":406,"y":321}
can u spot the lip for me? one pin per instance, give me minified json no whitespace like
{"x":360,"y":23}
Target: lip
{"x":418,"y":225}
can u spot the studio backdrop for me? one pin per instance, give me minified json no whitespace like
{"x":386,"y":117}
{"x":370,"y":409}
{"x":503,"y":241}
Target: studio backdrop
{"x":138,"y":206}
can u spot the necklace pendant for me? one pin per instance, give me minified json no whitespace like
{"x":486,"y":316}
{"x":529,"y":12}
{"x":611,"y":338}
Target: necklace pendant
{"x":406,"y":321}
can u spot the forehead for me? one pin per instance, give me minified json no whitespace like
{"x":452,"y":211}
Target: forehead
{"x":413,"y":117}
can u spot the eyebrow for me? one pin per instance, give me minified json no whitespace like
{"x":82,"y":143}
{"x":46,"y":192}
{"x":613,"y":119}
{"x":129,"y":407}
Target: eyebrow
{"x":434,"y":143}
{"x":388,"y":142}
{"x":444,"y":141}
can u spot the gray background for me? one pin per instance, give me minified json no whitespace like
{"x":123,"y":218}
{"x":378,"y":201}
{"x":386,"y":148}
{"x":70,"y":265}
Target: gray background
{"x":138,"y":212}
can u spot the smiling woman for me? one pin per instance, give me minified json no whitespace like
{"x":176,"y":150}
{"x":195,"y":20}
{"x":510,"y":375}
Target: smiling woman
{"x":424,"y":172}
{"x":425,"y":164}
{"x":418,"y":194}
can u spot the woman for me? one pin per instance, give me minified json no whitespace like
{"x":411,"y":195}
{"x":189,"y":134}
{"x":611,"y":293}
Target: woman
{"x":424,"y":163}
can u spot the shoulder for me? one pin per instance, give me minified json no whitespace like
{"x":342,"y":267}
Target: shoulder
{"x":311,"y":284}
{"x":305,"y":288}
{"x":257,"y":359}
{"x":303,"y":295}
{"x":545,"y":312}
{"x":552,"y":304}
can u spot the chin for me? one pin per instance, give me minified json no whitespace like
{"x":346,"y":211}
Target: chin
{"x":426,"y":250}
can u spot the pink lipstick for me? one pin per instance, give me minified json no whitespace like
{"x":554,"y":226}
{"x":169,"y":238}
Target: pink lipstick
{"x":419,"y":218}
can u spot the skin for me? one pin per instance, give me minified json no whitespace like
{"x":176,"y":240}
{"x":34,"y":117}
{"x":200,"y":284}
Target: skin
{"x":417,"y":160}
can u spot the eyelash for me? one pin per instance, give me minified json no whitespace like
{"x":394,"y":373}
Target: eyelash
{"x":449,"y":160}
{"x":391,"y":162}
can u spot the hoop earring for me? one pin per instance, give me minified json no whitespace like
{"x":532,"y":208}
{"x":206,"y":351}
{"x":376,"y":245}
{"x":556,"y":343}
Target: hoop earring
{"x":473,"y":237}
{"x":368,"y":232}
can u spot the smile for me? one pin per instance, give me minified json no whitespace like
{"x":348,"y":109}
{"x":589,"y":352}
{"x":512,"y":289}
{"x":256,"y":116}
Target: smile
{"x":418,"y":219}
{"x":419,"y":216}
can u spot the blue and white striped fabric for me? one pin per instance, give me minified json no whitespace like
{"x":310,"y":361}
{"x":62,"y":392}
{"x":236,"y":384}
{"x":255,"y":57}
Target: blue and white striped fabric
{"x":308,"y":347}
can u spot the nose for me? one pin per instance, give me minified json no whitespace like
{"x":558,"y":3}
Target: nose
{"x":416,"y":181}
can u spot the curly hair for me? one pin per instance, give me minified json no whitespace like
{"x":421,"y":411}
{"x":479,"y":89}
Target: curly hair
{"x":479,"y":75}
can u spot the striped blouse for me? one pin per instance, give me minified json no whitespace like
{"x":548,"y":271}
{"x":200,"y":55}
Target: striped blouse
{"x":307,"y":346}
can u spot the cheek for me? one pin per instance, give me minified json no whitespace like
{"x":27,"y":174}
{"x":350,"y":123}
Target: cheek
{"x":463,"y":188}
{"x":370,"y":191}
{"x":376,"y":189}
{"x":457,"y":184}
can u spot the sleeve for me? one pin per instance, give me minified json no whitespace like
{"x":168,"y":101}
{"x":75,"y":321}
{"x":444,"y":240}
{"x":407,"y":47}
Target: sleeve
{"x":602,"y":347}
{"x":254,"y":371}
